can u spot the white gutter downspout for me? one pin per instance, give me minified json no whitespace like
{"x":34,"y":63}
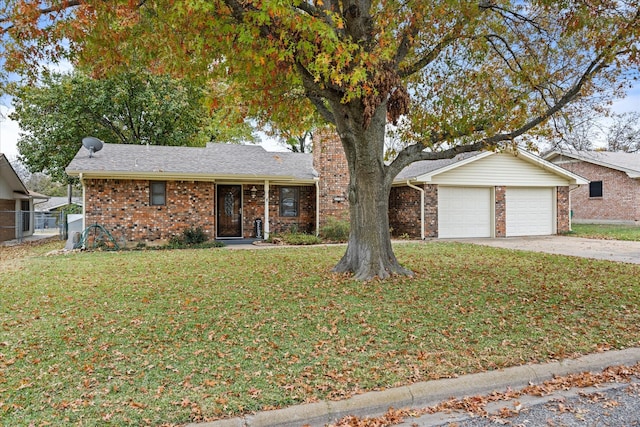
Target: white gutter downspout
{"x":317,"y":207}
{"x":266,"y":209}
{"x":84,"y":202}
{"x":421,"y":190}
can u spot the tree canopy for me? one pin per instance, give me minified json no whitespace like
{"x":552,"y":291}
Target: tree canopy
{"x":127,"y":108}
{"x":452,"y":76}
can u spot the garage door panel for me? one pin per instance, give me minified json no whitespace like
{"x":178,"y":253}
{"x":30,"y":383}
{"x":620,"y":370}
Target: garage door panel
{"x":529,"y":211}
{"x":464,"y":212}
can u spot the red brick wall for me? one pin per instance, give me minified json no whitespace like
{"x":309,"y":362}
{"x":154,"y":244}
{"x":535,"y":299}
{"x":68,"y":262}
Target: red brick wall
{"x":620,"y":199}
{"x":331,"y":164}
{"x":431,"y":210}
{"x":306,"y":220}
{"x":122,"y":207}
{"x":252,"y":209}
{"x":404,"y":212}
{"x":562,"y":211}
{"x":501,"y":211}
{"x":7,"y":220}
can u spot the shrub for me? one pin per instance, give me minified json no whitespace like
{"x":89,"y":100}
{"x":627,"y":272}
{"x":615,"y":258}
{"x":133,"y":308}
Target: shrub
{"x":192,"y":236}
{"x":335,"y":230}
{"x":300,"y":239}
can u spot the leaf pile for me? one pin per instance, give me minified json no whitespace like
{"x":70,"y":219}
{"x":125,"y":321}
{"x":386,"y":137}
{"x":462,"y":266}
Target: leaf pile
{"x":477,"y":404}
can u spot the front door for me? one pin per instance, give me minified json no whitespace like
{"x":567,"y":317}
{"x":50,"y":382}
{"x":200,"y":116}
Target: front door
{"x":229,"y":202}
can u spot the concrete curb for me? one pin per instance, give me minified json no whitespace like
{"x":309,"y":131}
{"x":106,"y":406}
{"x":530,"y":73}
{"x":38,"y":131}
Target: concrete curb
{"x":428,"y":393}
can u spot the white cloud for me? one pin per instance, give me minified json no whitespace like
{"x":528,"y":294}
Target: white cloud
{"x":9,"y":131}
{"x":628,"y":104}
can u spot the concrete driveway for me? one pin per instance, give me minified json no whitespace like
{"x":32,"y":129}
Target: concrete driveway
{"x":611,"y":250}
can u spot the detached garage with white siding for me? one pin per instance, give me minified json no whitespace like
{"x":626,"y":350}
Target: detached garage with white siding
{"x":486,"y":194}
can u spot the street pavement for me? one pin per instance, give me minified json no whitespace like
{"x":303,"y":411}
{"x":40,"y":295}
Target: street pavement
{"x":609,"y":404}
{"x":432,"y":393}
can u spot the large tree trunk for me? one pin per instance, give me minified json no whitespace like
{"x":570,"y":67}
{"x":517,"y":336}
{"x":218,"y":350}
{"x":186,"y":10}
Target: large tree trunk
{"x":369,"y":253}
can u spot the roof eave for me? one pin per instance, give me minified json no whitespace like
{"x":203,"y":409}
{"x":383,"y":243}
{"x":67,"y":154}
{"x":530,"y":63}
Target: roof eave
{"x":172,"y":176}
{"x":631,"y":173}
{"x":428,"y":177}
{"x":551,"y":167}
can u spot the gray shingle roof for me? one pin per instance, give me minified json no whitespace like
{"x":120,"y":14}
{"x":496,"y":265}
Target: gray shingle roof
{"x":625,"y":162}
{"x":56,"y":202}
{"x":215,"y":160}
{"x":417,"y":169}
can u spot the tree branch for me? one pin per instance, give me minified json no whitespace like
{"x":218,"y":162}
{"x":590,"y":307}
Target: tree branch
{"x":58,"y":8}
{"x":405,"y":43}
{"x":317,"y":95}
{"x":416,"y":152}
{"x":432,"y":55}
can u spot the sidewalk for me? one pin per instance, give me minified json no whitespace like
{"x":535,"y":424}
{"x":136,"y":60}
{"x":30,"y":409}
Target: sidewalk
{"x":429,"y":393}
{"x":32,"y":238}
{"x":610,"y":250}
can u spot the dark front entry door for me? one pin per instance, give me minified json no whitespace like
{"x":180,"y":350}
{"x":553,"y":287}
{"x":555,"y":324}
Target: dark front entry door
{"x":229,"y":210}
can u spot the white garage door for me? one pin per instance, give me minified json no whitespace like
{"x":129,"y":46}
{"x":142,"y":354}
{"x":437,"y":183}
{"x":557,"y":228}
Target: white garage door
{"x":529,"y":211}
{"x":464,"y":212}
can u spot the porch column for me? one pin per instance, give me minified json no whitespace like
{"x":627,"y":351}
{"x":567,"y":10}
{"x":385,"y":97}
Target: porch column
{"x":266,"y":209}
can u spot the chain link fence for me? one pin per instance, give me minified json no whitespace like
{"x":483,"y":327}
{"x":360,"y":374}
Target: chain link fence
{"x":19,"y":224}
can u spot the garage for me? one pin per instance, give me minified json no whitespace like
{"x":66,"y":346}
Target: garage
{"x":530,"y":211}
{"x":464,"y":212}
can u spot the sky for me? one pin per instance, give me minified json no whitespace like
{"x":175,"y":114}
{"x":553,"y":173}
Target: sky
{"x":9,"y":129}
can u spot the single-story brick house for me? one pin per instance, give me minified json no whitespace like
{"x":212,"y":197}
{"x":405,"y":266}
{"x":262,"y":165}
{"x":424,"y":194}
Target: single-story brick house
{"x":613,"y":194}
{"x":149,"y":193}
{"x":16,"y":204}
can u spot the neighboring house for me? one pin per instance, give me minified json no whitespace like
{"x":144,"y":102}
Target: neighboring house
{"x":16,"y":204}
{"x":48,"y":212}
{"x":613,"y":194}
{"x":148,"y":193}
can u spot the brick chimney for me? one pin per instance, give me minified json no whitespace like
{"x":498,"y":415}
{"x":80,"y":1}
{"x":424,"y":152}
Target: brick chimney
{"x":331,"y":164}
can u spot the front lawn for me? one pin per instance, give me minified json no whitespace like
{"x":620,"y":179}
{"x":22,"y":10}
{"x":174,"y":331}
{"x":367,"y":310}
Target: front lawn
{"x":606,"y":231}
{"x":169,"y":337}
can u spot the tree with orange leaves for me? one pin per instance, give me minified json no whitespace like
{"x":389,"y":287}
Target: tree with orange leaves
{"x":453,"y":76}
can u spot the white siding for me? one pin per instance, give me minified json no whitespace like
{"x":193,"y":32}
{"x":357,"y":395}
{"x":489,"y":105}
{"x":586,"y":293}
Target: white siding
{"x":530,"y":211}
{"x":464,"y":212}
{"x":500,"y":169}
{"x":5,"y":192}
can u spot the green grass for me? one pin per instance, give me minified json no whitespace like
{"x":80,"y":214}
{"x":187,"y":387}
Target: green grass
{"x":606,"y":231}
{"x":169,"y":337}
